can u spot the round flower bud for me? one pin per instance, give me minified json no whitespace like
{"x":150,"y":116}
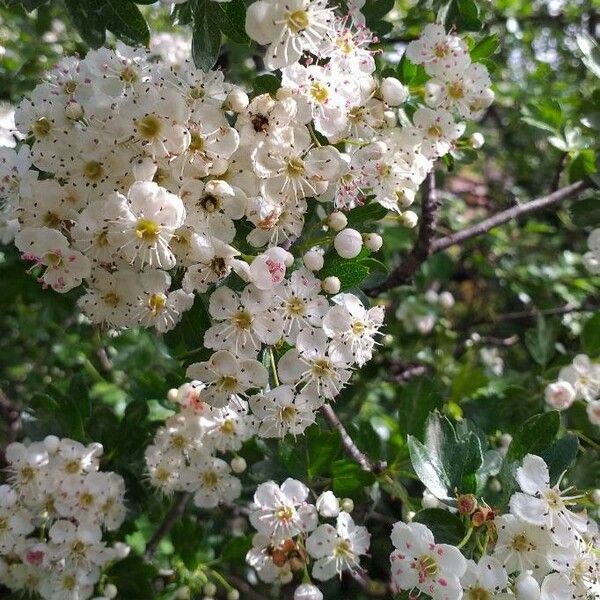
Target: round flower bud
{"x":285,"y":577}
{"x":559,"y":395}
{"x":409,"y":219}
{"x":477,"y":140}
{"x":238,"y":464}
{"x":308,"y":591}
{"x":172,"y":395}
{"x":505,"y":440}
{"x":348,"y":243}
{"x":373,"y":241}
{"x":432,"y":296}
{"x":596,"y":497}
{"x":122,"y":550}
{"x":466,"y":504}
{"x":526,"y":587}
{"x":183,"y":593}
{"x":331,"y":285}
{"x":347,"y":505}
{"x":328,"y":505}
{"x":237,"y":100}
{"x":393,"y":91}
{"x":313,"y":260}
{"x":110,"y":590}
{"x":337,"y":221}
{"x":209,"y":589}
{"x":446,"y":300}
{"x":51,"y":443}
{"x":233,"y":595}
{"x":97,"y":449}
{"x":495,"y":485}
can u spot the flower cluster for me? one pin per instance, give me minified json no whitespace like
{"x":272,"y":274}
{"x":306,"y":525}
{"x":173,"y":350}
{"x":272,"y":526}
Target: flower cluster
{"x":52,"y":516}
{"x":289,"y":535}
{"x":540,"y":550}
{"x":578,"y":381}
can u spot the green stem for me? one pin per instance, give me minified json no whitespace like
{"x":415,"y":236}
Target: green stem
{"x":587,"y":440}
{"x":466,"y":538}
{"x":273,"y":366}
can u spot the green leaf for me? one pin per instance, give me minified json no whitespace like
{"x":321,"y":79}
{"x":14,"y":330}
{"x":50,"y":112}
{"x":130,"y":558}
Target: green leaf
{"x":560,"y":455}
{"x":322,"y":448}
{"x":447,"y":528}
{"x":125,"y":20}
{"x":536,"y":434}
{"x":231,"y":17}
{"x":485,"y":48}
{"x":586,"y":212}
{"x":406,"y":70}
{"x":87,"y":21}
{"x":591,"y":53}
{"x":448,"y":462}
{"x":463,"y":15}
{"x":351,"y":272}
{"x":418,"y":398}
{"x":30,"y":5}
{"x":590,"y":336}
{"x":366,"y":214}
{"x":133,"y":577}
{"x":266,"y":84}
{"x":583,"y":163}
{"x":541,"y":341}
{"x":349,"y":478}
{"x":206,"y":35}
{"x":236,"y":549}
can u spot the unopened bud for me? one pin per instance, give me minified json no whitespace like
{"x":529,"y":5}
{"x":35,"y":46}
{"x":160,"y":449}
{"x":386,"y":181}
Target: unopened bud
{"x":172,"y":395}
{"x":286,"y":577}
{"x":348,"y":243}
{"x":110,"y":590}
{"x":347,"y":505}
{"x":308,"y":591}
{"x":233,"y":595}
{"x":209,"y":589}
{"x":337,"y":220}
{"x":393,"y":91}
{"x":238,"y":464}
{"x":331,"y":285}
{"x":477,"y":140}
{"x":373,"y":241}
{"x":526,"y":587}
{"x":237,"y":100}
{"x":313,"y":260}
{"x":409,"y":219}
{"x":51,"y":443}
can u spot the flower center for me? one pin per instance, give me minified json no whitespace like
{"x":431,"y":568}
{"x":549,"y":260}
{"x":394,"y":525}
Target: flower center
{"x":427,"y":567}
{"x":345,"y":43}
{"x":70,"y":86}
{"x":321,"y":367}
{"x":441,"y":50}
{"x":197,"y":92}
{"x":521,"y":543}
{"x":356,"y":114}
{"x":111,"y":299}
{"x":478,"y":593}
{"x":128,"y":75}
{"x":52,"y":220}
{"x":27,"y":474}
{"x":93,"y":170}
{"x":298,"y":20}
{"x":242,"y":319}
{"x":196,"y":142}
{"x":218,"y":266}
{"x":260,"y":123}
{"x":343,"y":549}
{"x":78,"y":548}
{"x":41,"y":128}
{"x":86,"y":499}
{"x":228,"y":427}
{"x":295,"y":306}
{"x":288,"y":413}
{"x":160,"y":176}
{"x":149,"y":127}
{"x":157,"y":303}
{"x":69,"y":583}
{"x":73,"y":467}
{"x":210,"y":479}
{"x":553,"y":499}
{"x":358,"y":327}
{"x":319,"y":92}
{"x":434,"y":131}
{"x":147,"y":230}
{"x":227,"y":383}
{"x":456,"y":90}
{"x":210,"y":203}
{"x":284,"y":513}
{"x":101,"y":240}
{"x":295,"y":167}
{"x":178,"y":442}
{"x":3,"y":524}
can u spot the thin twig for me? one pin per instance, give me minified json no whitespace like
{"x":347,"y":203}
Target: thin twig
{"x":404,"y":373}
{"x":422,"y":247}
{"x":406,"y":270}
{"x":247,"y":590}
{"x":174,"y":514}
{"x":546,"y":312}
{"x":350,"y":448}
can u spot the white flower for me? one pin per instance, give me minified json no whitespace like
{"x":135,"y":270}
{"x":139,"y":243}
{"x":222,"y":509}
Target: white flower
{"x":307,"y":591}
{"x":281,"y":411}
{"x":289,"y":28}
{"x":301,"y":303}
{"x":225,"y":429}
{"x":210,"y":480}
{"x":268,"y":269}
{"x":522,"y":546}
{"x":269,"y":560}
{"x":559,"y":395}
{"x":484,"y":579}
{"x":15,"y":520}
{"x":542,"y":505}
{"x":352,"y":328}
{"x":226,"y":376}
{"x":243,"y":322}
{"x":337,"y":548}
{"x":282,"y":512}
{"x":65,"y":268}
{"x":439,"y":130}
{"x":312,"y":366}
{"x":150,"y":217}
{"x":593,"y":412}
{"x":584,"y":376}
{"x":418,"y":562}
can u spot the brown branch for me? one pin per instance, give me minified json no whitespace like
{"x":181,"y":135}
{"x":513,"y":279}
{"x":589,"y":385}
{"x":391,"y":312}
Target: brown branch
{"x":558,"y":171}
{"x":405,"y":271}
{"x":175,"y":513}
{"x":403,"y":373}
{"x":422,"y":247}
{"x":546,"y":312}
{"x":350,"y":448}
